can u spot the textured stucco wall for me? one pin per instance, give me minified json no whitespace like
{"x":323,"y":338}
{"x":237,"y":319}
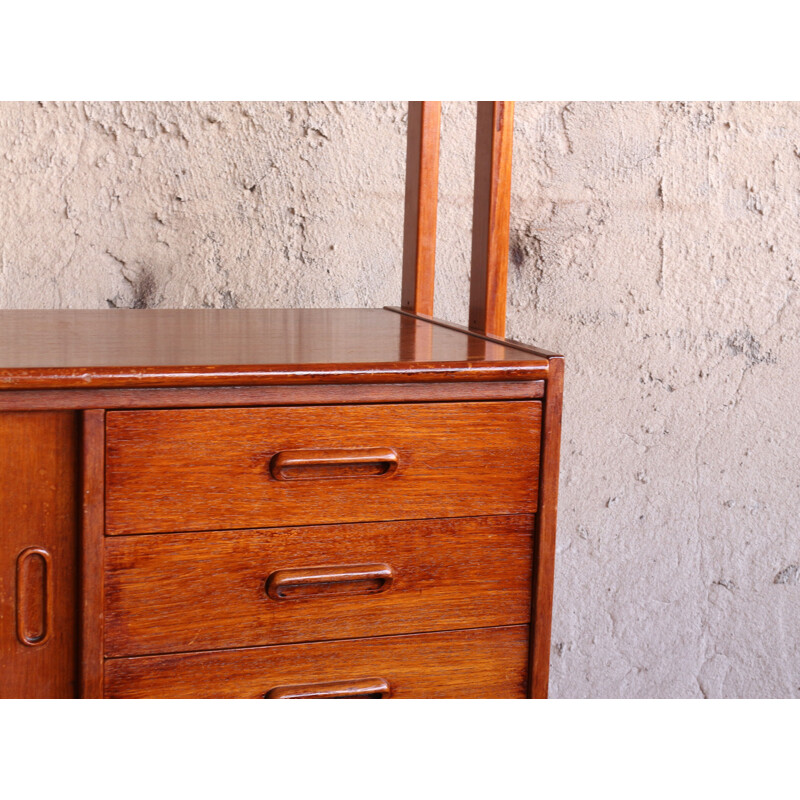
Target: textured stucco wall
{"x":657,"y":245}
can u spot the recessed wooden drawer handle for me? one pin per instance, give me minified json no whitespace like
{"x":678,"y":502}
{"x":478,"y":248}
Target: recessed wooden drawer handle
{"x":293,"y":465}
{"x":34,"y":596}
{"x":292,"y":584}
{"x":364,"y":688}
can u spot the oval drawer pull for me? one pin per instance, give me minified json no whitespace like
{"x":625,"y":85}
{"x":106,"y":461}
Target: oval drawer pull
{"x":34,"y":596}
{"x":294,"y":584}
{"x":364,"y":688}
{"x":366,"y":462}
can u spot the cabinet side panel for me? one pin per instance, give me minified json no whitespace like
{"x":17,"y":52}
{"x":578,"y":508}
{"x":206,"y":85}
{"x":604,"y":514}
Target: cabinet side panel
{"x":38,"y":554}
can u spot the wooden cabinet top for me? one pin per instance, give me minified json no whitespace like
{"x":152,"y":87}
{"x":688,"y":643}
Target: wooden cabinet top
{"x":159,"y":347}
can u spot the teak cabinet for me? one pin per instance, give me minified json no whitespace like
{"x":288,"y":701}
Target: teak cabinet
{"x":281,"y":503}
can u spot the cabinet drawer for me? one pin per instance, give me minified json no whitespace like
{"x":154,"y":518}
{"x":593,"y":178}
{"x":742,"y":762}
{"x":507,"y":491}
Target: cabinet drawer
{"x":491,"y":662}
{"x":205,"y":469}
{"x":240,"y":589}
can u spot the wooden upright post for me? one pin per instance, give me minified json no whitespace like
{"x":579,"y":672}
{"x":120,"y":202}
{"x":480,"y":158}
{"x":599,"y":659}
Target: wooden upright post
{"x":490,"y":218}
{"x":422,"y":193}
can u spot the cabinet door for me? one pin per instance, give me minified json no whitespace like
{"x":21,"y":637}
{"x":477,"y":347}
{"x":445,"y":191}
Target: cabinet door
{"x":38,"y":553}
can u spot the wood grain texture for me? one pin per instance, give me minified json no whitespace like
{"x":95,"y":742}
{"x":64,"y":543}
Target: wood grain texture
{"x":544,"y":564}
{"x":119,"y":348}
{"x":486,"y":663}
{"x":422,"y":193}
{"x":205,"y":591}
{"x":93,"y":448}
{"x":368,"y":424}
{"x":205,"y":469}
{"x":220,"y":397}
{"x":490,"y":220}
{"x":38,"y":511}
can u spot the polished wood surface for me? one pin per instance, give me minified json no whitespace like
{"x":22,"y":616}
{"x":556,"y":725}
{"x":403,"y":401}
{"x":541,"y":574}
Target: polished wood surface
{"x":485,"y":663}
{"x":476,"y":337}
{"x":224,"y":589}
{"x":490,"y":220}
{"x":38,"y":554}
{"x":544,"y":565}
{"x":92,"y":552}
{"x":422,"y":193}
{"x":205,"y":469}
{"x":211,"y":347}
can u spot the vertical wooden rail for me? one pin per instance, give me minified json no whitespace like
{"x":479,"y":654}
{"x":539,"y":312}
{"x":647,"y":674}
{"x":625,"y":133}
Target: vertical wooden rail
{"x":490,"y":218}
{"x":422,"y":191}
{"x":93,"y":515}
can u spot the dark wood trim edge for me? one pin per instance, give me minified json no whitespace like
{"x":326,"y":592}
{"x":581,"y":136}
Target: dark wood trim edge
{"x":164,"y":377}
{"x":545,"y":532}
{"x":228,"y":396}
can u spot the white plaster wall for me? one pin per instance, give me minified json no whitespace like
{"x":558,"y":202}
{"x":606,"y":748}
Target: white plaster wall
{"x":657,"y":245}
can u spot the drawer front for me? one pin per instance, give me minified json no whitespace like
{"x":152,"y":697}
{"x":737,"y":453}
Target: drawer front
{"x":246,"y":588}
{"x":206,"y":469}
{"x":491,"y":662}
